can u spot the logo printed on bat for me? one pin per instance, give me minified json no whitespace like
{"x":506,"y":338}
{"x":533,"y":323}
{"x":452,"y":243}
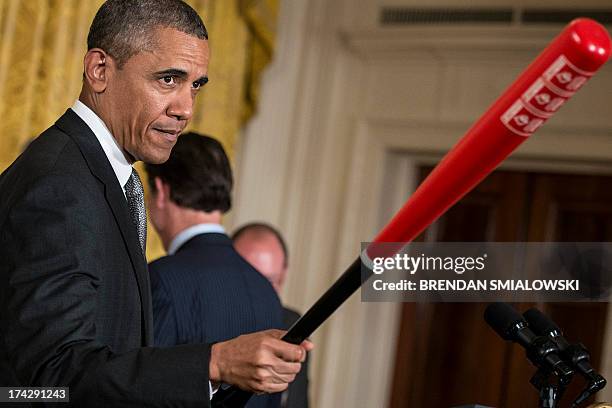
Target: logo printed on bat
{"x":520,"y":120}
{"x":565,"y":77}
{"x":544,"y":97}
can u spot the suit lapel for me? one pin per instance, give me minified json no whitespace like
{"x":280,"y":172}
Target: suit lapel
{"x":100,"y":167}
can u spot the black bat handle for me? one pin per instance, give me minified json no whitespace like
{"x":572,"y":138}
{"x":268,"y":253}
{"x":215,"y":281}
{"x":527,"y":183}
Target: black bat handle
{"x":332,"y":299}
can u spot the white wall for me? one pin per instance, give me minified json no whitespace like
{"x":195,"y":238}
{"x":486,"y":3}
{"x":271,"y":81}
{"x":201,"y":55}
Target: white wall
{"x":320,"y":160}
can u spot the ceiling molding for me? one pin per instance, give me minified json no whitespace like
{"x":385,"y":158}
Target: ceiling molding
{"x":447,"y":38}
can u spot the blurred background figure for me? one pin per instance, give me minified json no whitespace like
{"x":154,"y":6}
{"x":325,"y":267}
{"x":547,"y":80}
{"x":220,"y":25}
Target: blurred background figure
{"x":264,"y":247}
{"x":203,"y":291}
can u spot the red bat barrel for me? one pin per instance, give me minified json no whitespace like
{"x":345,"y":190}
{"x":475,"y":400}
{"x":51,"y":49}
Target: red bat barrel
{"x":551,"y":79}
{"x":555,"y":75}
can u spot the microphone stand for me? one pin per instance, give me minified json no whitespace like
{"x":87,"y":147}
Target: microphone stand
{"x":550,"y":392}
{"x":544,"y":378}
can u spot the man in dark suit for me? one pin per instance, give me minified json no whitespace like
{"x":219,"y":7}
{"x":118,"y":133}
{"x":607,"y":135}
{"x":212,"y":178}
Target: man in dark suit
{"x":75,"y":305}
{"x":203,"y":291}
{"x":263,"y":247}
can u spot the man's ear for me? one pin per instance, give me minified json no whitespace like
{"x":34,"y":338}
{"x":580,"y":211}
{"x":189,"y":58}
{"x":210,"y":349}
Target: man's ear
{"x":96,"y":66}
{"x":161,"y":195}
{"x":283,"y":275}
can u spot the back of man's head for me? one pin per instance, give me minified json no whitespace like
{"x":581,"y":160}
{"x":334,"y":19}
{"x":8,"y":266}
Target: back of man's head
{"x":198,"y":173}
{"x":123,"y":28}
{"x":263,"y":247}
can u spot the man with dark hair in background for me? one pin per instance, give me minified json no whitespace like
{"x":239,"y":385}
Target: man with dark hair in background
{"x":263,"y":247}
{"x":75,"y":301}
{"x":203,"y":291}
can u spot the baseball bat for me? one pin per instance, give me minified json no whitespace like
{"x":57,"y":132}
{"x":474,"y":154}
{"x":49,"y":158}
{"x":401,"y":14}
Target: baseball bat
{"x":560,"y":70}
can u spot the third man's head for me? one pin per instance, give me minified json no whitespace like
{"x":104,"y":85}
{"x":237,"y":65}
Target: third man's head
{"x":265,"y":249}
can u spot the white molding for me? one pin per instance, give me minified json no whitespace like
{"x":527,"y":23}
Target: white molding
{"x":570,"y":144}
{"x":370,"y":43}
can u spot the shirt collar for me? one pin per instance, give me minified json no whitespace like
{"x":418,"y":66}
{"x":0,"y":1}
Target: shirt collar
{"x":120,"y":165}
{"x":185,"y":235}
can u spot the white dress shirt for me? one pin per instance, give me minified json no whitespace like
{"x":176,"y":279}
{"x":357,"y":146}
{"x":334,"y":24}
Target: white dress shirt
{"x":122,"y":168}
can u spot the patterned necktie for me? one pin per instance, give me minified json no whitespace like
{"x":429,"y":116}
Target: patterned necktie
{"x":135,"y":198}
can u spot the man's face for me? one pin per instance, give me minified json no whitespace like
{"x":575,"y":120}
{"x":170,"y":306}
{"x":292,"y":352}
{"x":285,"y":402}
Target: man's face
{"x":149,"y":101}
{"x":265,"y":254}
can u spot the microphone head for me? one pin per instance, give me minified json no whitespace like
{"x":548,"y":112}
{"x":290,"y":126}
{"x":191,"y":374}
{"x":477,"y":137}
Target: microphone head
{"x":504,"y":319}
{"x":541,"y":324}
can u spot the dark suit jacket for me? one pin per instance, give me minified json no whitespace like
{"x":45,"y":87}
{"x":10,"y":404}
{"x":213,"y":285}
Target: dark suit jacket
{"x":296,"y":396}
{"x":74,"y":290}
{"x":206,"y":292}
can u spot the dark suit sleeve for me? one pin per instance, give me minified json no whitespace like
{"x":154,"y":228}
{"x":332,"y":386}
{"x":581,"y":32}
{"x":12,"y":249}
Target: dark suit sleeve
{"x":297,"y":393}
{"x":298,"y":389}
{"x":164,"y":315}
{"x":51,"y":311}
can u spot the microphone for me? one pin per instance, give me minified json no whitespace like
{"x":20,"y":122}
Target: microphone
{"x":541,"y":351}
{"x":576,"y":354}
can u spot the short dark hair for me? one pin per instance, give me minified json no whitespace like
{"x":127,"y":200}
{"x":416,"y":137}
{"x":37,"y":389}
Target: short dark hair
{"x":198,"y":173}
{"x":123,"y":28}
{"x":262,"y":227}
